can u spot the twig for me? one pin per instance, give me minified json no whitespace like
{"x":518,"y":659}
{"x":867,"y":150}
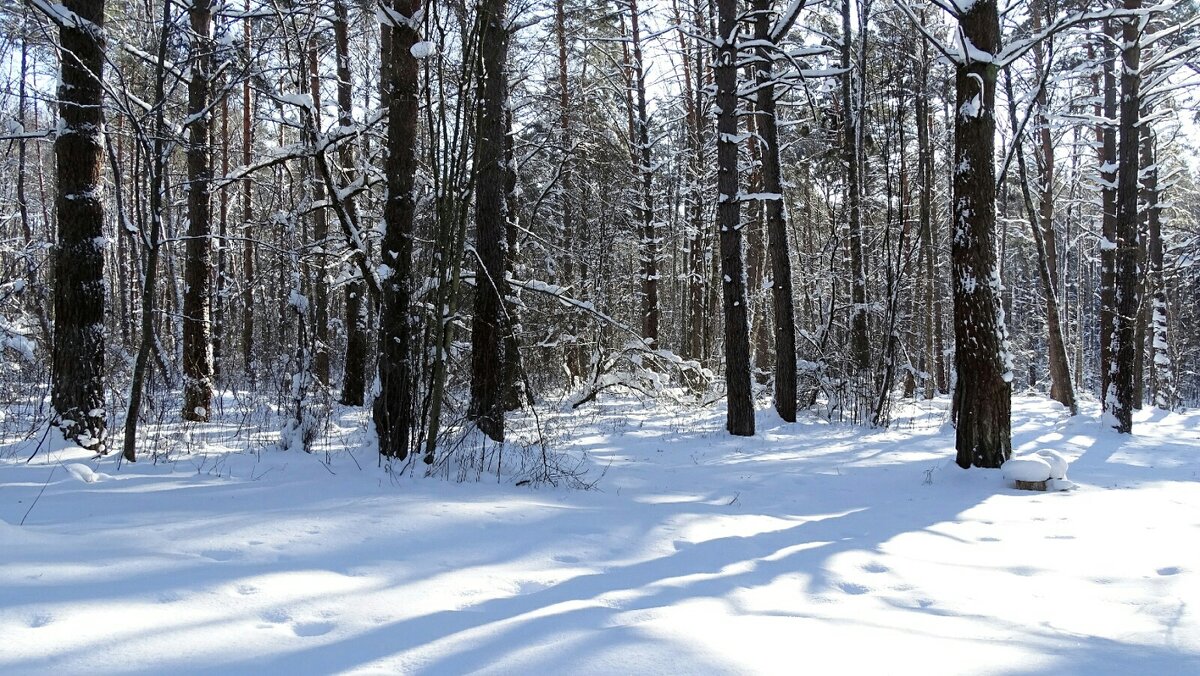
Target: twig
{"x":39,"y":495}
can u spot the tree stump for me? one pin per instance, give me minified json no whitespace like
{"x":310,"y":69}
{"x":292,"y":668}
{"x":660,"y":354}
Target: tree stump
{"x":1031,"y":485}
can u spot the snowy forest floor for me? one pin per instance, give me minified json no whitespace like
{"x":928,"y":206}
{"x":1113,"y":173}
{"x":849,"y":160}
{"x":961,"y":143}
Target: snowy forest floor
{"x":813,"y":547}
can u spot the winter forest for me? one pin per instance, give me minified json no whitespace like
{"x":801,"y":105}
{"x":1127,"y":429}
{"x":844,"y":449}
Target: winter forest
{"x":729,"y":333}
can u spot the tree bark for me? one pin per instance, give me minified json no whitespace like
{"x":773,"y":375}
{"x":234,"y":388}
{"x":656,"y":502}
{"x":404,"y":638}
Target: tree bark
{"x":393,"y":407}
{"x":781,"y":264}
{"x":320,"y":237}
{"x":645,"y":173}
{"x":1119,"y":399}
{"x":1108,"y":227}
{"x":740,"y":412}
{"x":78,"y":352}
{"x":197,"y":267}
{"x":860,"y":345}
{"x":354,"y":368}
{"x":488,"y":327}
{"x":983,"y":387}
{"x":1162,"y":374}
{"x":248,"y":265}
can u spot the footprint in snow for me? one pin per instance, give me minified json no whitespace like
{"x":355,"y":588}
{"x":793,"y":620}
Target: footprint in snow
{"x":40,"y":620}
{"x":219,"y":554}
{"x":247,"y":589}
{"x":566,"y":558}
{"x":312,"y":628}
{"x":854,"y":589}
{"x":277,"y":616}
{"x":876,"y":568}
{"x":1169,"y":570}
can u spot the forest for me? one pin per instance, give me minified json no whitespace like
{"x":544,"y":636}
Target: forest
{"x":447,"y":212}
{"x":599,"y":336}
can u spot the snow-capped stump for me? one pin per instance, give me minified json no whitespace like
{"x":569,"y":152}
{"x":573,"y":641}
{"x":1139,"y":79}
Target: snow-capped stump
{"x":1043,"y":470}
{"x":1029,"y":473}
{"x":1058,"y":464}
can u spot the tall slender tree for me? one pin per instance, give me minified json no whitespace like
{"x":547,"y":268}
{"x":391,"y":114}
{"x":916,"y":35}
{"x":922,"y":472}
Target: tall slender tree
{"x":767,"y":35}
{"x":355,"y":363}
{"x":740,"y":413}
{"x":78,"y":353}
{"x":393,"y":408}
{"x":983,"y":386}
{"x":488,"y":325}
{"x":1119,"y":400}
{"x":197,"y":268}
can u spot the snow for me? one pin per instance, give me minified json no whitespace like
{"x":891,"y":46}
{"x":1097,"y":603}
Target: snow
{"x":855,"y":550}
{"x":1026,"y":469}
{"x":422,"y":50}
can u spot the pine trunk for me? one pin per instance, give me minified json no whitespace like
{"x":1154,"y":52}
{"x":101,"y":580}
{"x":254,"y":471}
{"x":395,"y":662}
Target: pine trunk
{"x":740,"y":412}
{"x":393,"y":409}
{"x":983,"y":386}
{"x":1119,"y":399}
{"x":486,"y":408}
{"x":355,"y":365}
{"x":777,"y":236}
{"x":1162,"y":380}
{"x":78,"y":352}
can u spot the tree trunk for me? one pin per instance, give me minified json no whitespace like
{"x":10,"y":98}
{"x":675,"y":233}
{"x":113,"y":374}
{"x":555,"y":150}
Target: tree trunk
{"x":393,"y":407}
{"x":983,"y":387}
{"x":1062,"y":390}
{"x":157,"y":164}
{"x":1108,"y":227}
{"x":248,"y":231}
{"x":1162,"y":374}
{"x":354,"y":369}
{"x":1119,"y":399}
{"x":197,"y":267}
{"x":645,"y":209}
{"x":781,"y":264}
{"x":860,"y":346}
{"x":78,"y":353}
{"x":740,"y":412}
{"x":320,"y":283}
{"x":488,"y":327}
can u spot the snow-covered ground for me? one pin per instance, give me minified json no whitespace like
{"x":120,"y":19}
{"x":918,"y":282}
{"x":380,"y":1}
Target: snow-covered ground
{"x":811,"y":548}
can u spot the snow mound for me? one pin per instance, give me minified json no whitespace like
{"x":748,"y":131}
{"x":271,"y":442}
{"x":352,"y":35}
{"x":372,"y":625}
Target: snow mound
{"x":85,"y":473}
{"x":1029,"y":468}
{"x":1061,"y":485}
{"x":1058,"y":464}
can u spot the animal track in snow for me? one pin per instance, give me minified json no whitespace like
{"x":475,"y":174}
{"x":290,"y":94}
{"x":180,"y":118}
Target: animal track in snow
{"x":312,"y":628}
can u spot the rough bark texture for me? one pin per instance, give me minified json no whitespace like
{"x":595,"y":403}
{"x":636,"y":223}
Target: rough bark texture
{"x":740,"y":413}
{"x":248,"y":266}
{"x":781,"y":264}
{"x":932,"y":358}
{"x":320,"y":237}
{"x":1162,"y":379}
{"x":487,"y":326}
{"x":860,"y":343}
{"x":393,"y":407}
{"x":1119,"y":399}
{"x":645,"y":209}
{"x":1108,"y":223}
{"x":197,"y":264}
{"x":983,"y":388}
{"x":355,"y":365}
{"x":78,"y":352}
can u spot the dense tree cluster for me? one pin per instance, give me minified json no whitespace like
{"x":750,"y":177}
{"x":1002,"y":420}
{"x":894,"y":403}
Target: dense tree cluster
{"x":447,"y":210}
